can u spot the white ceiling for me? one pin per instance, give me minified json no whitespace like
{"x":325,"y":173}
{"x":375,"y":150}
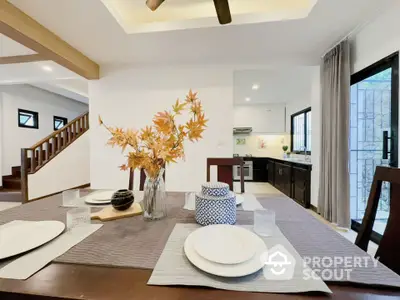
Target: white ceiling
{"x":88,"y":26}
{"x":275,"y":86}
{"x":134,"y":16}
{"x":9,"y":47}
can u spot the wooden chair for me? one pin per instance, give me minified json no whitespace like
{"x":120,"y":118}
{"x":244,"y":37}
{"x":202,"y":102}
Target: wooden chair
{"x":142,"y":179}
{"x":225,"y":170}
{"x":388,"y":251}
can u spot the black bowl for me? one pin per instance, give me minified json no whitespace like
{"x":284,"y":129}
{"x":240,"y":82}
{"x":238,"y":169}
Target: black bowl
{"x":122,"y":199}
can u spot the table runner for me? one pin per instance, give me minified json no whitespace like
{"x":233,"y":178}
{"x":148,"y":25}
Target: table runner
{"x":173,"y":268}
{"x":133,"y":243}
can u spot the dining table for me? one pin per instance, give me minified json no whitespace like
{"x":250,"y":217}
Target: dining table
{"x":95,"y":270}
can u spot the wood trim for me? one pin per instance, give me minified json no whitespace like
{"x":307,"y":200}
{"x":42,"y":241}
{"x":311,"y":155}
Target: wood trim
{"x":24,"y":175}
{"x":23,"y":29}
{"x":6,"y":60}
{"x":49,"y":195}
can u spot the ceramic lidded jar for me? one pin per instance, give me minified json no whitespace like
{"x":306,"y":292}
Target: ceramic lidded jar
{"x":122,"y":199}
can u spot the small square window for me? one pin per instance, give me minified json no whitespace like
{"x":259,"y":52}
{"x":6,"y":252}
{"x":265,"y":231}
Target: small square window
{"x":59,"y":122}
{"x":28,"y":119}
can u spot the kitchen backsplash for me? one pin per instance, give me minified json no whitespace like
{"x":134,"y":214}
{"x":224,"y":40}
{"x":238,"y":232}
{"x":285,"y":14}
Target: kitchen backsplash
{"x":260,"y":145}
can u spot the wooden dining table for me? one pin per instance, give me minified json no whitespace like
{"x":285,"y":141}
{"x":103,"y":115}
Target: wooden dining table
{"x":79,"y":281}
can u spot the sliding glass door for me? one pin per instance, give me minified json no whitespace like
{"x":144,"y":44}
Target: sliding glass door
{"x":373,"y":135}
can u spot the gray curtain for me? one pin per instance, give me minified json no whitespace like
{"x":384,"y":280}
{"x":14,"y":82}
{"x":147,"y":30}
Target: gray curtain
{"x":334,"y":194}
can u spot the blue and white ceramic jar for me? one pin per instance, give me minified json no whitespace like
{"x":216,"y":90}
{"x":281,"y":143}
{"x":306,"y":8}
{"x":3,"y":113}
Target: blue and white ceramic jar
{"x":215,"y":205}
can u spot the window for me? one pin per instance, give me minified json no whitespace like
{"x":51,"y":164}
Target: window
{"x":59,"y":122}
{"x":28,"y":119}
{"x":301,"y":131}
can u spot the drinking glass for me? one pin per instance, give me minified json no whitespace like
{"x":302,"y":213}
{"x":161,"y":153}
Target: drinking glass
{"x":79,"y":216}
{"x":264,"y":222}
{"x":70,"y":197}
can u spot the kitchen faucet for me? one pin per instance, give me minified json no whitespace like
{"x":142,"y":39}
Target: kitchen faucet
{"x":307,"y":158}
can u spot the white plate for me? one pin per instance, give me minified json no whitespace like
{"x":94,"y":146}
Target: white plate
{"x":225,"y":244}
{"x":239,"y":199}
{"x":89,"y":200}
{"x":102,"y":196}
{"x":21,"y":236}
{"x":236,"y":270}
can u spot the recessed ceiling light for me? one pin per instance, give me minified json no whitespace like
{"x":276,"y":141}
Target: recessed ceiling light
{"x":255,"y":86}
{"x":247,"y":99}
{"x":47,"y":68}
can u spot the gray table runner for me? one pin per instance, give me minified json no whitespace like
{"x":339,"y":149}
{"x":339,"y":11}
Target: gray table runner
{"x":133,"y":243}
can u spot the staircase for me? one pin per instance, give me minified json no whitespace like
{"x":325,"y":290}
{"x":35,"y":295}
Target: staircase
{"x":15,"y":186}
{"x":11,"y":191}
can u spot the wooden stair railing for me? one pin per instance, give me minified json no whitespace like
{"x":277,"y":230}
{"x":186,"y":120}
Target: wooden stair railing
{"x":35,"y":157}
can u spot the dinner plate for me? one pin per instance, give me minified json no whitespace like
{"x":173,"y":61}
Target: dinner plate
{"x":224,"y":270}
{"x":21,"y":236}
{"x":102,"y":196}
{"x":225,"y":244}
{"x":89,"y":200}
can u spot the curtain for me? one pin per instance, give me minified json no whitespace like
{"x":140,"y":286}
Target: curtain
{"x":334,"y":188}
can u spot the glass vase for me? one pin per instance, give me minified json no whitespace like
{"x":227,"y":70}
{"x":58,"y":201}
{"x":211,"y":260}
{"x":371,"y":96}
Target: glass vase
{"x":154,"y":200}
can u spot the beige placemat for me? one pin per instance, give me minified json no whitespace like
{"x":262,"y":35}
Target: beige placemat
{"x":173,"y":268}
{"x":28,"y":264}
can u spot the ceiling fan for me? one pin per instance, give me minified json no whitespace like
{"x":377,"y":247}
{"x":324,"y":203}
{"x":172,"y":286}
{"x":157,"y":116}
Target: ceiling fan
{"x":221,"y":6}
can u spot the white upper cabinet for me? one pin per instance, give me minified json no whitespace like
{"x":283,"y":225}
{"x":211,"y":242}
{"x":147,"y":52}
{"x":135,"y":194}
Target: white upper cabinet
{"x":266,"y":118}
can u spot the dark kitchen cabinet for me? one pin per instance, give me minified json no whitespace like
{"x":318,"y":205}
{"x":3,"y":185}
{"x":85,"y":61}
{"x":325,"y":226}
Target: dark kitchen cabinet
{"x":271,"y":171}
{"x":291,"y":178}
{"x":283,"y":178}
{"x":260,"y":169}
{"x":301,"y":186}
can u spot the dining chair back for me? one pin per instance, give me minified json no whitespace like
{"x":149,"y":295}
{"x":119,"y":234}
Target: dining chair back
{"x":225,"y":170}
{"x":388,"y":251}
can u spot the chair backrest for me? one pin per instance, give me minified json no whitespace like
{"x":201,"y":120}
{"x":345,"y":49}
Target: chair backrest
{"x":142,"y":179}
{"x":225,"y":170}
{"x":388,"y":251}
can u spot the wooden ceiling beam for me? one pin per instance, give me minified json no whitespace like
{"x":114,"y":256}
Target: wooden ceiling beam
{"x":20,"y":27}
{"x":6,"y":60}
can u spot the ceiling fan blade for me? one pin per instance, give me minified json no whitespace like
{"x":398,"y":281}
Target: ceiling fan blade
{"x":223,"y":11}
{"x":154,"y":4}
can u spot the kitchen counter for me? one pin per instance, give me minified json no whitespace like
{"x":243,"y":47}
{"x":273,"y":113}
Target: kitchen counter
{"x":291,"y":159}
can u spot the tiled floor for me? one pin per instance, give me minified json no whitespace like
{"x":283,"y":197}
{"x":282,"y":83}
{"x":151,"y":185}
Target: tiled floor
{"x":266,"y":188}
{"x":260,"y":188}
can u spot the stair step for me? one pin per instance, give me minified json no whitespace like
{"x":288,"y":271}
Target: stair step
{"x":10,"y":182}
{"x":10,"y":195}
{"x":16,"y":171}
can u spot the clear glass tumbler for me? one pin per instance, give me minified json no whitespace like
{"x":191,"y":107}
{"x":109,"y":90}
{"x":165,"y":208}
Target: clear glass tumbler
{"x":264,"y":222}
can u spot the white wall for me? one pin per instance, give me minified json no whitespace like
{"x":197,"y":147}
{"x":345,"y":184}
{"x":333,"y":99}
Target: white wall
{"x":377,"y":40}
{"x":46,"y":104}
{"x":130,"y":98}
{"x":68,"y":169}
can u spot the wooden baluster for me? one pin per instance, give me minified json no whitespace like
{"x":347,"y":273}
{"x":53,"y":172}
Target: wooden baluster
{"x":76,"y":129}
{"x":81,"y":125}
{"x":33,"y":161}
{"x":52,"y":146}
{"x":24,"y":174}
{"x":64,"y":138}
{"x":59,"y":142}
{"x":47,"y":151}
{"x":70,"y":133}
{"x":40,"y":156}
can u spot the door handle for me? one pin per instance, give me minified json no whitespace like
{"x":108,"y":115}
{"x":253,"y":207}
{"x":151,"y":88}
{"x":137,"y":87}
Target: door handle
{"x":385,"y":146}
